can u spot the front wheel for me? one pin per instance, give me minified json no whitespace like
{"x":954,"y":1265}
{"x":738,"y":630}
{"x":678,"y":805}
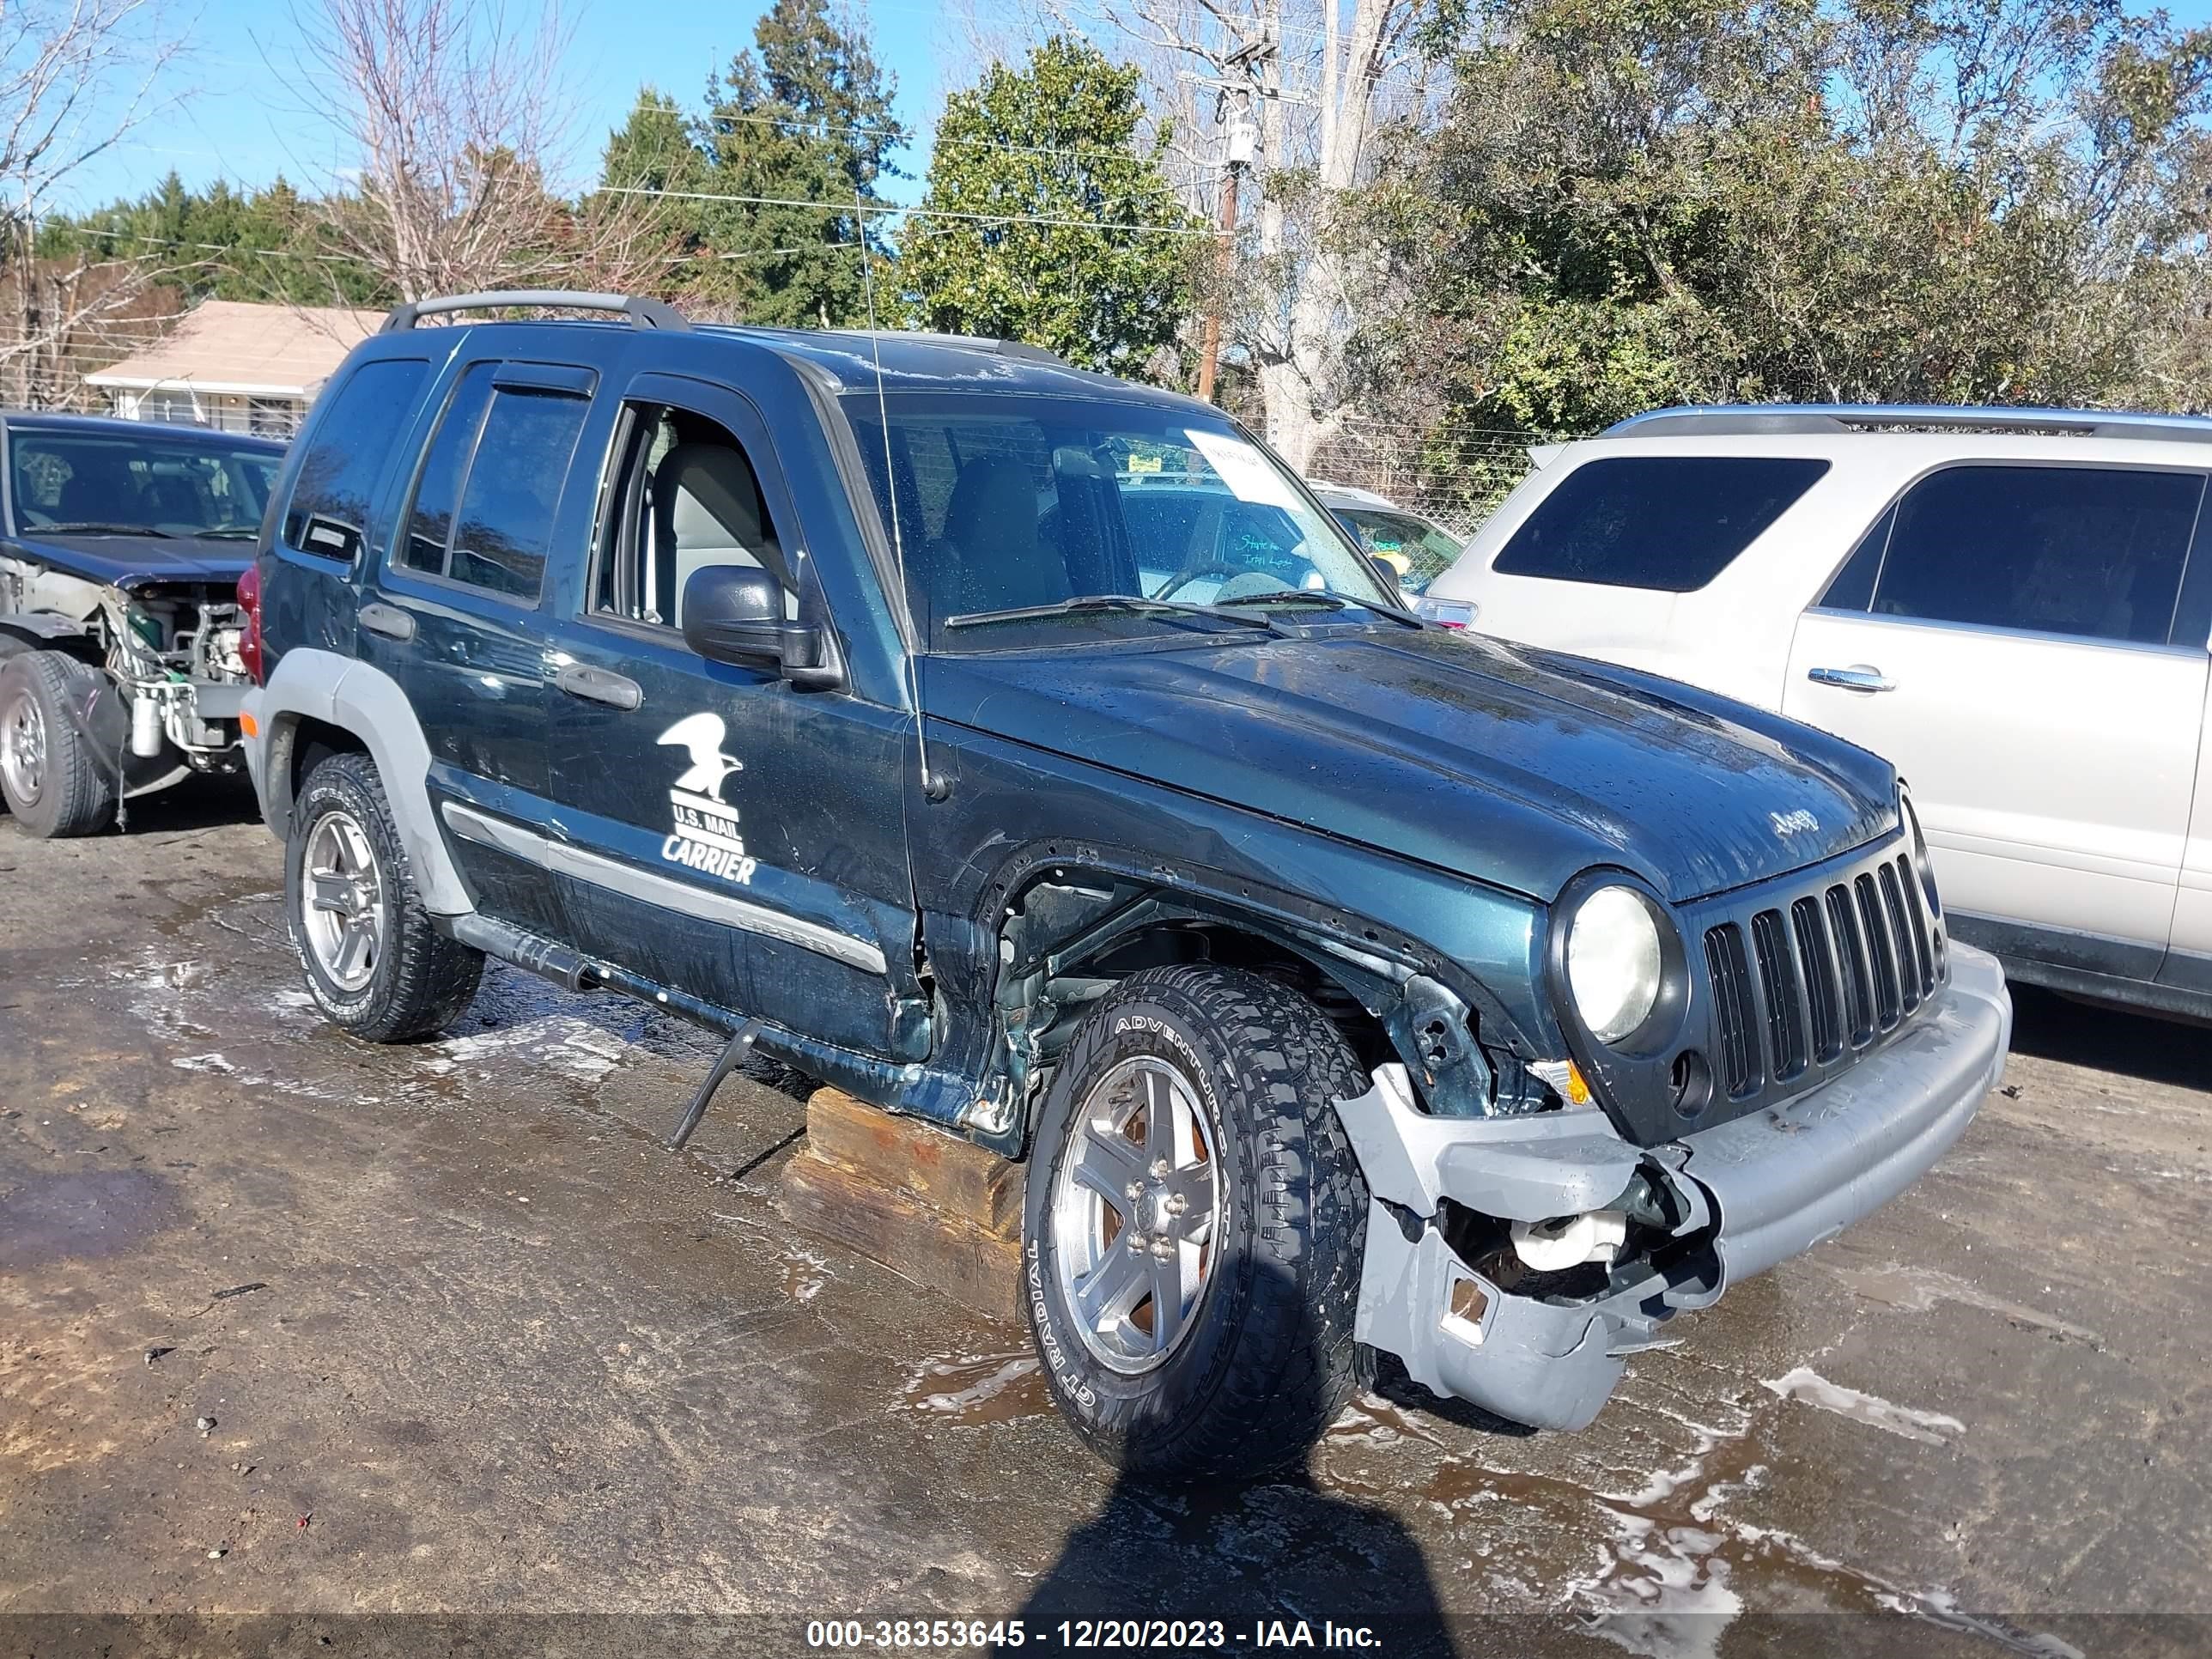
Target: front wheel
{"x":53,"y":783}
{"x":1194,"y":1225}
{"x":375,"y":964}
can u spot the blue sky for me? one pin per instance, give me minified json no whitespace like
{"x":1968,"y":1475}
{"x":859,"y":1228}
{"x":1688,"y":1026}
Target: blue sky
{"x":241,"y":106}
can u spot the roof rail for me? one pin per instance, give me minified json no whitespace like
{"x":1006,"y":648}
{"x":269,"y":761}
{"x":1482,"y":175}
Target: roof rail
{"x":642,"y":312}
{"x":1748,"y":420}
{"x":1018,"y":348}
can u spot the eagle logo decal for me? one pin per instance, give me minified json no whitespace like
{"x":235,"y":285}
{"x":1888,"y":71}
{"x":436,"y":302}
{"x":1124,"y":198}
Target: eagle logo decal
{"x":706,"y":836}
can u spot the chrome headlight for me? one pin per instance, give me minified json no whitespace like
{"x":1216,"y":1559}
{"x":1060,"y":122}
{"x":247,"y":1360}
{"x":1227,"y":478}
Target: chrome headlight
{"x":1921,"y":862}
{"x":1614,"y":961}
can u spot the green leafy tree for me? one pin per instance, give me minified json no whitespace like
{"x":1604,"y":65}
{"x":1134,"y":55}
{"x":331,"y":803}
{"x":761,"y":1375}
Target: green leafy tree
{"x":1045,"y":219}
{"x":1628,"y":203}
{"x":803,"y":118}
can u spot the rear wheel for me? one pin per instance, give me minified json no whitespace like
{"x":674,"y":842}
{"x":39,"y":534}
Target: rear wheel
{"x":1194,"y":1225}
{"x":375,"y":965}
{"x":53,"y":783}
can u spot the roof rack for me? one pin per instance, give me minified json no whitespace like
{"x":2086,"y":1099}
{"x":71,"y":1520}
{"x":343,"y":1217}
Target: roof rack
{"x":642,"y":312}
{"x":1746,"y":420}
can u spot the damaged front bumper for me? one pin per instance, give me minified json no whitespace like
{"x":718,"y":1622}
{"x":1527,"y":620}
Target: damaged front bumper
{"x":1739,"y":1197}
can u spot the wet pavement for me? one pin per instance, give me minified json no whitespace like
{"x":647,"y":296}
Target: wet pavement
{"x":467,"y":1342}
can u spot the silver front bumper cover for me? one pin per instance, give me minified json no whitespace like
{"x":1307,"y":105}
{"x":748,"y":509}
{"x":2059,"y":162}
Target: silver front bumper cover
{"x":1763,"y":1188}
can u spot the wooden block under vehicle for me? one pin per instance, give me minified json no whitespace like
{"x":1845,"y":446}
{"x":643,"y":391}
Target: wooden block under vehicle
{"x":942,"y":1170}
{"x":936,"y":1210}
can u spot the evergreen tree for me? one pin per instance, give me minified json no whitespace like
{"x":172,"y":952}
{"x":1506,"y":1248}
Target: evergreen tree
{"x":802,"y":117}
{"x":1087,"y":260}
{"x":267,"y":245}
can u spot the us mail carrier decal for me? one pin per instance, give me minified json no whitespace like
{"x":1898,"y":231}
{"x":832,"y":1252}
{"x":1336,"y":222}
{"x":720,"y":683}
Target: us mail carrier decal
{"x":706,"y":836}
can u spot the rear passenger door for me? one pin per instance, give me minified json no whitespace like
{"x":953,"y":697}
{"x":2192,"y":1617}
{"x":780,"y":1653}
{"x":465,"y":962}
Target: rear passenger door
{"x":455,"y":616}
{"x":726,"y":833}
{"x":2008,"y":636}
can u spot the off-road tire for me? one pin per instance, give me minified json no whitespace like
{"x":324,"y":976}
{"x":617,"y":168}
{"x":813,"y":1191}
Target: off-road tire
{"x":1269,"y":1359}
{"x":423,"y":979}
{"x":76,"y":794}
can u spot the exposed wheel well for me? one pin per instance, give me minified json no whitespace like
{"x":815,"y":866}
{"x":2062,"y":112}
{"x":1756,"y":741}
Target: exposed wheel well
{"x":1068,"y":940}
{"x":1223,"y":944}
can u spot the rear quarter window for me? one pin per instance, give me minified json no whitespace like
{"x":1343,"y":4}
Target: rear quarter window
{"x":347,"y":452}
{"x":1670,"y":523}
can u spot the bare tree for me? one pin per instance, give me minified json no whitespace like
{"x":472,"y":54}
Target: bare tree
{"x":1324,"y":76}
{"x":454,"y":112}
{"x":76,"y":77}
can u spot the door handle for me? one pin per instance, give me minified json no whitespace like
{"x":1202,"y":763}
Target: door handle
{"x":1859,"y":676}
{"x":599,"y":685}
{"x":387,"y":620}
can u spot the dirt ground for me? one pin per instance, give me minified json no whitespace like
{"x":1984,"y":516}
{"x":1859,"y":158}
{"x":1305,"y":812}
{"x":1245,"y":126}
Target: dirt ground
{"x":293,"y":1326}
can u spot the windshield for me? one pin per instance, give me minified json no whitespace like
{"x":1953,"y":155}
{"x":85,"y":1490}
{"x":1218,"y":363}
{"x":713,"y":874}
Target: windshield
{"x":1418,"y":550}
{"x":1014,"y":510}
{"x":121,"y":483}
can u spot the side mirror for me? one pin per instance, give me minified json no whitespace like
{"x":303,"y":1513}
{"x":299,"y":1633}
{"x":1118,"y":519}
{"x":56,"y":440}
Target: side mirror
{"x":733,"y":613}
{"x":1386,"y":570}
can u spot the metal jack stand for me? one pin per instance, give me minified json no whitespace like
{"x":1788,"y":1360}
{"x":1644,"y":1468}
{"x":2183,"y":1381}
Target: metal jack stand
{"x":724,"y":1063}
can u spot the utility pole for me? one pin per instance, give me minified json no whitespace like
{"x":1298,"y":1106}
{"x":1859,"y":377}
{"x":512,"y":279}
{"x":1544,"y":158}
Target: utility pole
{"x":1240,"y":136}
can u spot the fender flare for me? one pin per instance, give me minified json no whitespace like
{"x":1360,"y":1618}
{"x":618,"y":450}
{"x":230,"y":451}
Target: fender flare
{"x":367,"y":703}
{"x":45,"y":630}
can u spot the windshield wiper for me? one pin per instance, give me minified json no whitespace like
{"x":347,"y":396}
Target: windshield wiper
{"x":1305,"y":596}
{"x":228,"y":532}
{"x":1313,"y":600}
{"x":1104,"y":604}
{"x":99,"y":527}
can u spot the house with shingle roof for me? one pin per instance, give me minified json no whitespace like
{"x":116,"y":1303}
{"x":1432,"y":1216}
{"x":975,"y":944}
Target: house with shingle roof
{"x":235,"y":366}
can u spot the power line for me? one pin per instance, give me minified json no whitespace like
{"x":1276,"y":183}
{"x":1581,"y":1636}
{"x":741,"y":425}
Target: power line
{"x":937,"y":140}
{"x":887,"y":211}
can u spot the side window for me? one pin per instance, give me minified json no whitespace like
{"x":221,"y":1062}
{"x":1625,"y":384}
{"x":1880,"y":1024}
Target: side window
{"x":484,"y":507}
{"x":687,"y":497}
{"x":521,"y":461}
{"x":1853,"y":587}
{"x":2095,"y":552}
{"x":1670,"y":523}
{"x":328,"y":512}
{"x":430,"y":521}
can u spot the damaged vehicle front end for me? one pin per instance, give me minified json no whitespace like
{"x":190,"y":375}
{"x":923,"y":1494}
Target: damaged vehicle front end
{"x":1631,"y":1028}
{"x":125,"y":643}
{"x":1518,"y":1262}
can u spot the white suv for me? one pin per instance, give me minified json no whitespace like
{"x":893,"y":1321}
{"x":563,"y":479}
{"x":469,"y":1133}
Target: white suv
{"x":2002,"y":602}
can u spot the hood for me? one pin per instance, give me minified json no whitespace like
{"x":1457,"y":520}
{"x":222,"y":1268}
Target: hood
{"x":135,"y":561}
{"x":1517,"y":767}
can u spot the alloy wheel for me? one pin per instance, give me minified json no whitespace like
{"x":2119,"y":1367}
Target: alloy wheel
{"x":1134,"y":1208}
{"x":23,"y":748}
{"x":342,"y":902}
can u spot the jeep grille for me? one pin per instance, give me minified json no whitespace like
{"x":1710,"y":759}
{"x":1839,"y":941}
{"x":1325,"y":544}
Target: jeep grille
{"x":1805,"y":980}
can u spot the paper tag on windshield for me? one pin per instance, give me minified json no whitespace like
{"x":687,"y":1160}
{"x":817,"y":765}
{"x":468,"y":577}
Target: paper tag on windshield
{"x":1243,"y":468}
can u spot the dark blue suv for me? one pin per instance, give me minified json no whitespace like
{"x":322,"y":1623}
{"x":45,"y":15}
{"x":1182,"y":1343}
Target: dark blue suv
{"x":1344,"y":983}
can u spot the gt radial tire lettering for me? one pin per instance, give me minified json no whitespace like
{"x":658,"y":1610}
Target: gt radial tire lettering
{"x":1049,"y":1339}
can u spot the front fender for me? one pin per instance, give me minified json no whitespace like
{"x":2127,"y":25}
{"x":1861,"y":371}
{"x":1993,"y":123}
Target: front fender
{"x":1014,"y":816}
